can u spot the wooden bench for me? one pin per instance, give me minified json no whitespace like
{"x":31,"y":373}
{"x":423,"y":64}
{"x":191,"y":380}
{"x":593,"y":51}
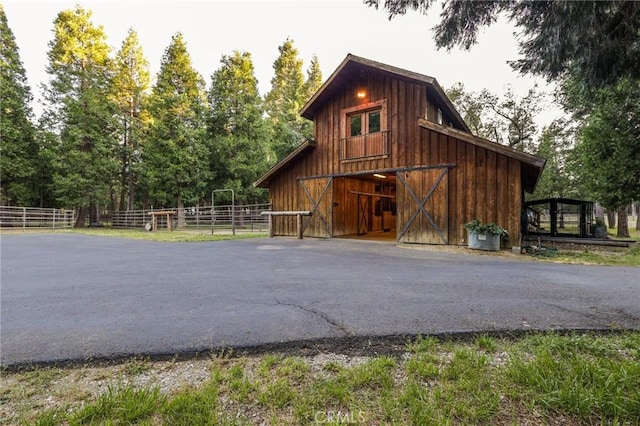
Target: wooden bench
{"x":298,"y":215}
{"x":154,"y":218}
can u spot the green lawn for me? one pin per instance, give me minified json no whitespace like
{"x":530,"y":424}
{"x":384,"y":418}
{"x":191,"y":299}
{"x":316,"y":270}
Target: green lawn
{"x":168,"y":236}
{"x":541,"y":378}
{"x":597,"y":256}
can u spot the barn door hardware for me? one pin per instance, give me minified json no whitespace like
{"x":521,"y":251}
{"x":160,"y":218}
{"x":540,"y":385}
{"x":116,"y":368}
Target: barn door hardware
{"x":315,"y":211}
{"x":421,"y":205}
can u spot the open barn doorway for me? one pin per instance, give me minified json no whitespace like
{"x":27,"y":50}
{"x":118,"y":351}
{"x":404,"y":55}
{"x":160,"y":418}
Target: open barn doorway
{"x":365,"y":206}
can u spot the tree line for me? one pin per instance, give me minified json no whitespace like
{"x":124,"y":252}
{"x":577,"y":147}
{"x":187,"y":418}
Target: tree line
{"x":110,"y":139}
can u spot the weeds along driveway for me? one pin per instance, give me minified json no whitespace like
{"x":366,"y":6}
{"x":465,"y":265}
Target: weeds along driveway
{"x":72,"y":297}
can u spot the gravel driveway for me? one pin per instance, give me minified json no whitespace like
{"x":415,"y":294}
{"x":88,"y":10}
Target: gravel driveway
{"x":70,"y":297}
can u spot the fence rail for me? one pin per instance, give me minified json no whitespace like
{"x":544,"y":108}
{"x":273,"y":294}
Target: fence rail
{"x":244,"y":218}
{"x":240,"y":218}
{"x":31,"y":217}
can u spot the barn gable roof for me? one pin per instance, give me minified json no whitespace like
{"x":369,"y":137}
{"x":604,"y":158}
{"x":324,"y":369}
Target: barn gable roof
{"x":263,"y":181}
{"x":531,"y":165}
{"x":353,"y":65}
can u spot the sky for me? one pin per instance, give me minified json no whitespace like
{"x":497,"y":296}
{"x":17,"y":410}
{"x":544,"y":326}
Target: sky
{"x":330,"y":29}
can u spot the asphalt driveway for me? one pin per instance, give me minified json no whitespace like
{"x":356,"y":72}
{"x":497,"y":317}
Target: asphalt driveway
{"x":69,"y":297}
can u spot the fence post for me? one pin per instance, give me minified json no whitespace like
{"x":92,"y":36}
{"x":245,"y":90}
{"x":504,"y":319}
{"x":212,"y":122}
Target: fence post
{"x":53,"y":222}
{"x":24,"y":218}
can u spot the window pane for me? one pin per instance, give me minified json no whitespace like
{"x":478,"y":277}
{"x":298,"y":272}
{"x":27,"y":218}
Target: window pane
{"x":374,"y":121}
{"x":356,"y":125}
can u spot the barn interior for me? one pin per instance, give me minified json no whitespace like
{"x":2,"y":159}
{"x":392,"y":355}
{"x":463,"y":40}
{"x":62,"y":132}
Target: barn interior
{"x":365,"y":206}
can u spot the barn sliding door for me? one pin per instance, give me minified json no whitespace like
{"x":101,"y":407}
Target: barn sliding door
{"x":319,"y":200}
{"x":423,"y":208}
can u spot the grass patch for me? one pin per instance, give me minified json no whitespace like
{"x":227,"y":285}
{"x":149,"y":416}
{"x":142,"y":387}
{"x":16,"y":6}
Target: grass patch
{"x":120,"y":405}
{"x":625,"y":257}
{"x":584,"y":376}
{"x":597,"y":255}
{"x":545,"y":378}
{"x":177,"y":236}
{"x":593,"y":255}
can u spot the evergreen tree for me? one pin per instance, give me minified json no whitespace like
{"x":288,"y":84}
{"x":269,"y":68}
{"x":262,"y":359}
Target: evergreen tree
{"x":45,"y":168}
{"x":175,"y":156}
{"x":79,"y":112}
{"x":314,"y":78}
{"x":558,"y":179}
{"x":597,"y":40}
{"x":311,"y":86}
{"x":18,"y":148}
{"x":131,"y":83}
{"x":285,"y":99}
{"x":237,"y":129}
{"x":609,"y":149}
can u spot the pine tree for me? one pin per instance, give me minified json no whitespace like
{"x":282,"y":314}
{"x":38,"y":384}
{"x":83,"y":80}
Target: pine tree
{"x":609,"y":149}
{"x":175,"y":156}
{"x":597,"y":41}
{"x":79,"y":112}
{"x":556,"y":144}
{"x":131,"y":83}
{"x":285,"y":99}
{"x":236,"y":127}
{"x":311,"y":86}
{"x":314,"y":78}
{"x":18,"y":148}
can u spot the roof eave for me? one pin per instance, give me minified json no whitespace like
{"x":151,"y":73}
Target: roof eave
{"x":537,"y":163}
{"x":449,"y":104}
{"x":307,"y":109}
{"x":263,"y":181}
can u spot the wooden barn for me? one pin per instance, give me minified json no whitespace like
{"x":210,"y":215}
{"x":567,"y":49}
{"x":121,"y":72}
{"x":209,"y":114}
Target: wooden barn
{"x":392,"y":157}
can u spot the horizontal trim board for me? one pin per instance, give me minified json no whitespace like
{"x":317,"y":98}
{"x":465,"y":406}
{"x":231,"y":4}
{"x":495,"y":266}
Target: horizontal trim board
{"x":371,"y":194}
{"x":392,"y":170}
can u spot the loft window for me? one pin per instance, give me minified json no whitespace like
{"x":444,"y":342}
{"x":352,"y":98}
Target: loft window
{"x":356,"y":124}
{"x":440,"y":120}
{"x":364,"y":131}
{"x":364,"y":123}
{"x":373,"y":119}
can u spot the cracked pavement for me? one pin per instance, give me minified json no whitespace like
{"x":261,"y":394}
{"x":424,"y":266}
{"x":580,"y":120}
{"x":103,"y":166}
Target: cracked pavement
{"x":78,"y":297}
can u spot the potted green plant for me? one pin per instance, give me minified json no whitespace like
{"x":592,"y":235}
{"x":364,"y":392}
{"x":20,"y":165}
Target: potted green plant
{"x":485,"y":236}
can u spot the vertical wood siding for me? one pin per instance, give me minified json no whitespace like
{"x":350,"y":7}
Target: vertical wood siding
{"x":483,"y":184}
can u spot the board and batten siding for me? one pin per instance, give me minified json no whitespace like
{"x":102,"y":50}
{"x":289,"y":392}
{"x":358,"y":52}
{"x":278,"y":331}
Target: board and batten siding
{"x":482,"y":182}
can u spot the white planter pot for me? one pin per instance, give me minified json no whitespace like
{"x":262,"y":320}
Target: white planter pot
{"x":484,"y":241}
